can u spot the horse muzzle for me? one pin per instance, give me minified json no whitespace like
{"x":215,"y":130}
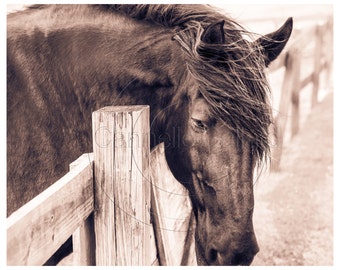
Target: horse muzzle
{"x":240,"y":252}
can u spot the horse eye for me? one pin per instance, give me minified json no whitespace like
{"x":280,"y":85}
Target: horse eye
{"x":198,"y":125}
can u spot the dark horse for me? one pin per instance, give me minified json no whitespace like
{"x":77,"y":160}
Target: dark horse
{"x":201,"y":73}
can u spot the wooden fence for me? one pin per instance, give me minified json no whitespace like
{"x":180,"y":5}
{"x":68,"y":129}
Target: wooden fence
{"x":105,"y":201}
{"x":320,"y":39}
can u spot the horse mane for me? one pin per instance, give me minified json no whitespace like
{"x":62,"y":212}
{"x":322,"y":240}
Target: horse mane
{"x":169,"y":15}
{"x":233,"y":82}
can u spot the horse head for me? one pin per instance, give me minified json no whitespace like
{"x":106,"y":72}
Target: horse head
{"x":223,"y":123}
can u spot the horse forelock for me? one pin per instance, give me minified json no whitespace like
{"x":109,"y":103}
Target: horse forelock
{"x":235,"y":86}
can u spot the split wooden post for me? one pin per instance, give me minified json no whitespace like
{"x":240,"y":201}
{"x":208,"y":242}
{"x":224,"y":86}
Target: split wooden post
{"x":172,"y":214}
{"x":121,"y":145}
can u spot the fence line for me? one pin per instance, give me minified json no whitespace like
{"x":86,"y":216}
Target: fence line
{"x":293,"y":84}
{"x":104,"y":203}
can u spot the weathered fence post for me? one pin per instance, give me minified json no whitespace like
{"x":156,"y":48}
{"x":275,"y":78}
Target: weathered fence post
{"x":296,"y":89}
{"x":290,"y":81}
{"x":317,"y":63}
{"x":328,"y":54}
{"x":121,"y":145}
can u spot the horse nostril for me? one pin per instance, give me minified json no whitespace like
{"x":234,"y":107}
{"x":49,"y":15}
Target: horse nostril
{"x":242,"y":259}
{"x":212,"y":255}
{"x":237,"y":260}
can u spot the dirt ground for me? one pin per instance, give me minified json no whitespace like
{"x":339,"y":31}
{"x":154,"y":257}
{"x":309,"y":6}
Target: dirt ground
{"x":293,"y":216}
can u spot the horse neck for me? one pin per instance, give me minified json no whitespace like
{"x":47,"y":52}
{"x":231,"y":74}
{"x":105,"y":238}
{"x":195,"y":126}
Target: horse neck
{"x":102,"y":60}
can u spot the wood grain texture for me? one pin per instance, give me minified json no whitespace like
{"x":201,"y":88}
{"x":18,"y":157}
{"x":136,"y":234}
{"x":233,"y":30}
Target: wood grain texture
{"x":36,"y":230}
{"x":124,"y":234}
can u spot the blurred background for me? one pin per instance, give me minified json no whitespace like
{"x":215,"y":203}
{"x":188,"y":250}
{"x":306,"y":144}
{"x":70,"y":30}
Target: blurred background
{"x":293,"y":215}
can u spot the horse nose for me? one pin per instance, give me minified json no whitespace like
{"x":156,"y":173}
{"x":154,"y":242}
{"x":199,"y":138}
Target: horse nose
{"x":242,"y":255}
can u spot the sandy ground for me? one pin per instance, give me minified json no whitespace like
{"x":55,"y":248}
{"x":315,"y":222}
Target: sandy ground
{"x":293,"y":215}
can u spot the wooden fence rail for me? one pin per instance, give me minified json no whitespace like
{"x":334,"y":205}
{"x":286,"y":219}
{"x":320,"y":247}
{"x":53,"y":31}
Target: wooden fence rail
{"x":40,"y":227}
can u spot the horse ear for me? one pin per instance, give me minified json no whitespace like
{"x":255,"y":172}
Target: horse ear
{"x":273,"y":43}
{"x":214,"y":33}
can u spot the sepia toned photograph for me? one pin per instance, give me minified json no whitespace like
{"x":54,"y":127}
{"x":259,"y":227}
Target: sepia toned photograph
{"x":195,"y":134}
